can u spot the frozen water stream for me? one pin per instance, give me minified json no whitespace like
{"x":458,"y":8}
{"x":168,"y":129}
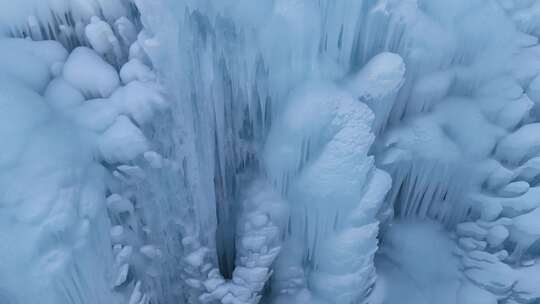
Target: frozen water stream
{"x":416,"y":265}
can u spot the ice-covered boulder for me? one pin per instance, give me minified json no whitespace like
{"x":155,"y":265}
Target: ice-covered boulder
{"x":122,"y":141}
{"x":139,"y":100}
{"x":81,"y":68}
{"x":95,"y":114}
{"x":62,"y":96}
{"x":486,"y":271}
{"x":134,"y":69}
{"x":520,"y":145}
{"x":525,"y":230}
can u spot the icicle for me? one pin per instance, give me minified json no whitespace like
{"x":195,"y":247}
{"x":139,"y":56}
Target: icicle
{"x":429,"y":189}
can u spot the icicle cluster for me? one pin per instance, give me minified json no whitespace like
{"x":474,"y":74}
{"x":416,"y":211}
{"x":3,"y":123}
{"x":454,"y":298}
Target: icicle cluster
{"x":441,"y":169}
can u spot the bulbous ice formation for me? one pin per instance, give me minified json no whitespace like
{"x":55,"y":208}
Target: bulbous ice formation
{"x":334,"y":190}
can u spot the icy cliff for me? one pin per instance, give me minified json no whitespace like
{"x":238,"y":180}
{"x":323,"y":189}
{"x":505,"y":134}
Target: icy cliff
{"x":276,"y":151}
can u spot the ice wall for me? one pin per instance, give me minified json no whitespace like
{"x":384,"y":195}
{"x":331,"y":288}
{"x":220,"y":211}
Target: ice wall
{"x":455,"y":78}
{"x":232,"y":83}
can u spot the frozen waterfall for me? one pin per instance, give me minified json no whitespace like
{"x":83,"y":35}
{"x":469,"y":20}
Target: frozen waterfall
{"x":270,"y":151}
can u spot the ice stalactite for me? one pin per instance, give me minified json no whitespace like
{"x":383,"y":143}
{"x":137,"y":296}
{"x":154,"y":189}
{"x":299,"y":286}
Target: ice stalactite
{"x":428,"y":189}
